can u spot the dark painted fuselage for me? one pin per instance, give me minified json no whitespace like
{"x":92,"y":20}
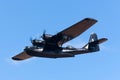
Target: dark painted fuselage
{"x":65,"y":52}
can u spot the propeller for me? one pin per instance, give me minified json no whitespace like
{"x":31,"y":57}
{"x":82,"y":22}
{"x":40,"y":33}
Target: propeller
{"x":43,"y":36}
{"x":31,"y":40}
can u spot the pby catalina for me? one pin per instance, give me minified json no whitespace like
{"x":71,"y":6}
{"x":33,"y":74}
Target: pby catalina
{"x":51,"y":45}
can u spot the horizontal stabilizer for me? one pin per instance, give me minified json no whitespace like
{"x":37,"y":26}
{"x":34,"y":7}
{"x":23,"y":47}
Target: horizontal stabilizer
{"x":99,"y":41}
{"x":102,"y":40}
{"x":21,"y":56}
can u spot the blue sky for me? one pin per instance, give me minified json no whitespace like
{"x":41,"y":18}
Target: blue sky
{"x":20,"y":20}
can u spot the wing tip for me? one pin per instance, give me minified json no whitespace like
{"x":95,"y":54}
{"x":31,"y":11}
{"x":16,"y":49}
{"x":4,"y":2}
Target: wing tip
{"x":90,"y":19}
{"x":18,"y":59}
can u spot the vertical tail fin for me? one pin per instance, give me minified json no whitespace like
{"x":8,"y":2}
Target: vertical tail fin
{"x":93,"y":44}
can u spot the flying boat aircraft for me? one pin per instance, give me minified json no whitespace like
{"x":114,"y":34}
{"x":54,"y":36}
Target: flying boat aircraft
{"x":51,"y":46}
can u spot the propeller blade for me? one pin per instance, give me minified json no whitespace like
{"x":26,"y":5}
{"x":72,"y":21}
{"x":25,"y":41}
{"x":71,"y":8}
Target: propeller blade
{"x":44,"y":31}
{"x":43,"y":36}
{"x":31,"y":40}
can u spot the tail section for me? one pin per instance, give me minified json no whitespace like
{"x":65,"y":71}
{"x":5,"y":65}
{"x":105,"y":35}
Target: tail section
{"x":93,"y":44}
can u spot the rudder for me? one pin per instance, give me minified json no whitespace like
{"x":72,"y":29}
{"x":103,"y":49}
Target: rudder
{"x":93,"y":44}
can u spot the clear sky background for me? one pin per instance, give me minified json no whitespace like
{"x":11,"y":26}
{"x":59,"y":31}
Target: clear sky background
{"x":22,"y":19}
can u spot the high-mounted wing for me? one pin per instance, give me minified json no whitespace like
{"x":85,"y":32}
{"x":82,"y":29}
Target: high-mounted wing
{"x":75,"y":30}
{"x":21,"y":56}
